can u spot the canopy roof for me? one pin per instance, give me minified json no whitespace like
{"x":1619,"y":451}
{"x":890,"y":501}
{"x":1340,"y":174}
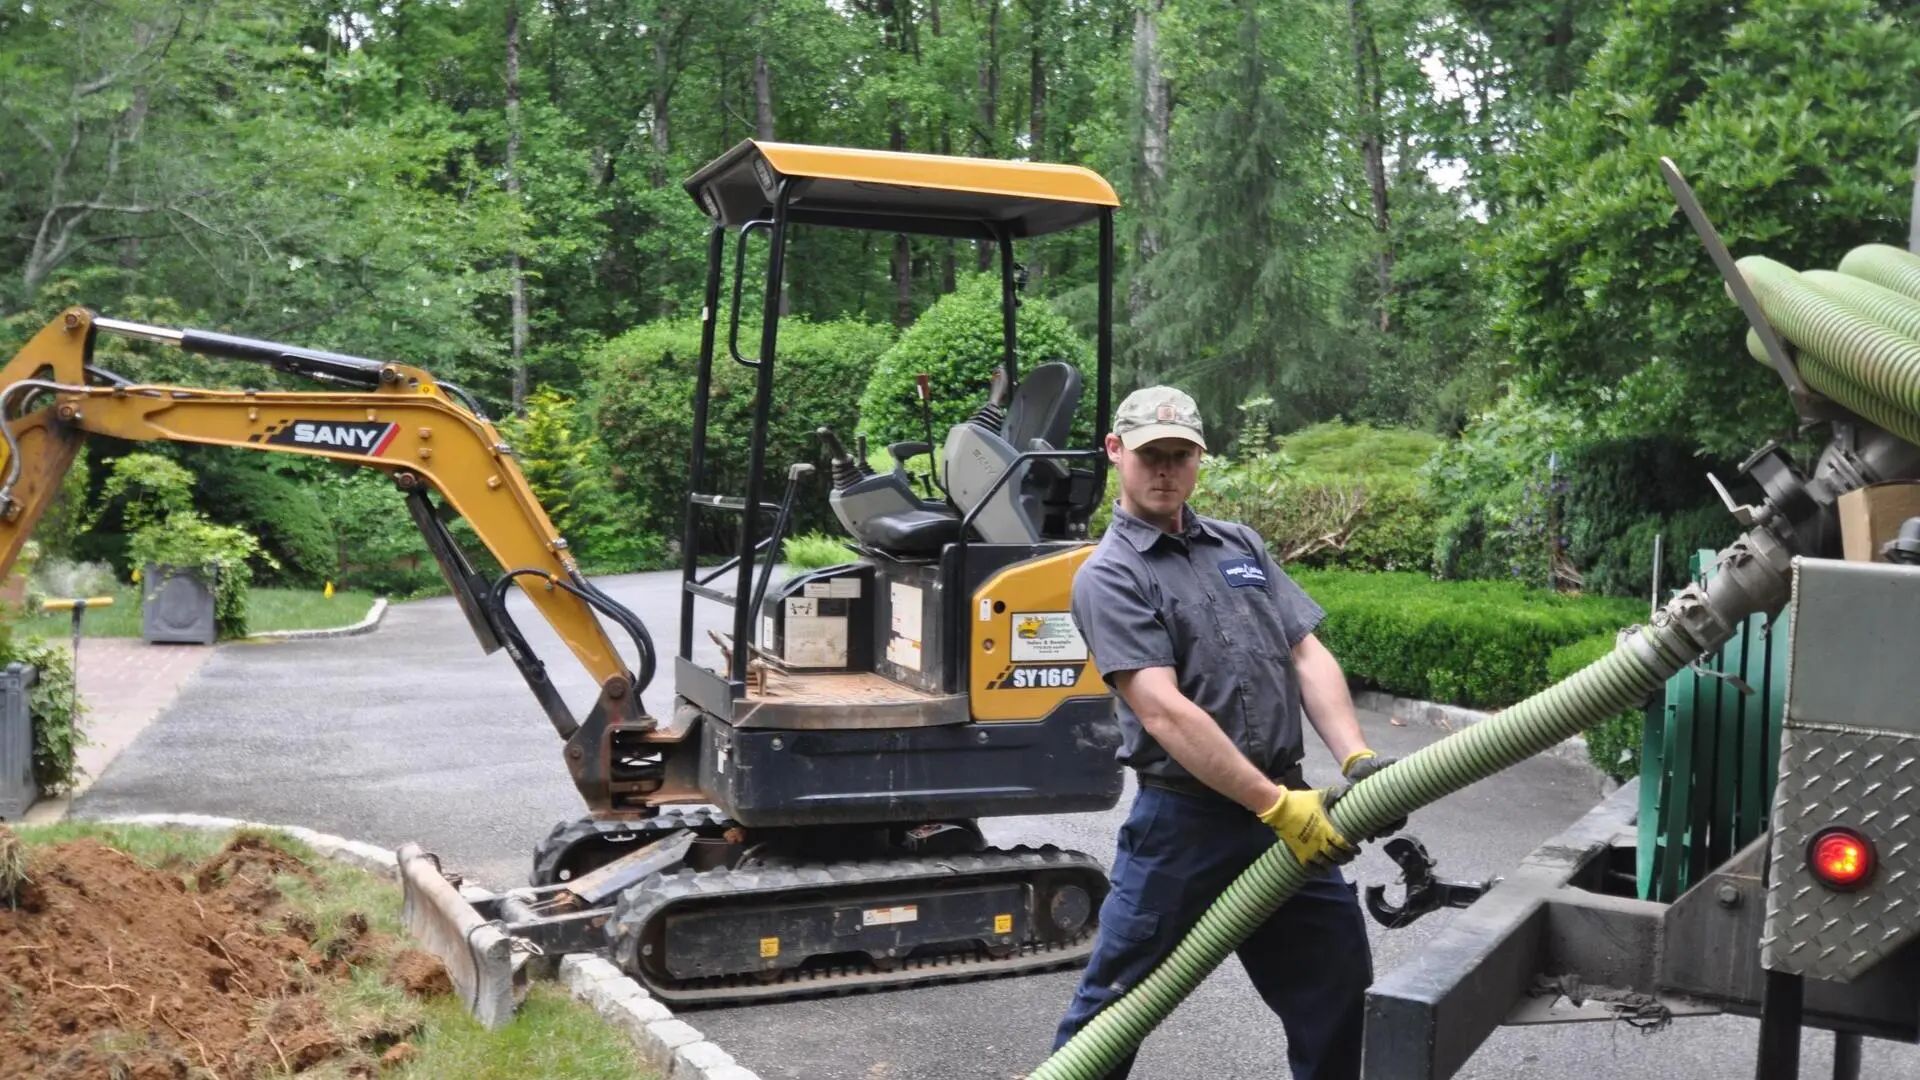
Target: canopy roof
{"x":897,"y":192}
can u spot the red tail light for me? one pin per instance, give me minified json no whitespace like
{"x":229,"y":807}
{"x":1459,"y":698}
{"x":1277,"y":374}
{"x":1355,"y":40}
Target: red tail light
{"x":1841,"y":858}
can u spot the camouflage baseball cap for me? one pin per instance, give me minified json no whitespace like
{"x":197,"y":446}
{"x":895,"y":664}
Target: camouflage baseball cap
{"x":1157,"y":412}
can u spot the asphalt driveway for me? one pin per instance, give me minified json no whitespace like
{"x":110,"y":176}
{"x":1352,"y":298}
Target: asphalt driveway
{"x":412,"y":734}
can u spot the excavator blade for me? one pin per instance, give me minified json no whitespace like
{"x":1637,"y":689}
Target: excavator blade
{"x":479,"y":956}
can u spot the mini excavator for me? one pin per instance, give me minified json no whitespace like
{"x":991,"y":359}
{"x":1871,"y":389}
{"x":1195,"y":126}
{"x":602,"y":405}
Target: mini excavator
{"x":806,"y":820}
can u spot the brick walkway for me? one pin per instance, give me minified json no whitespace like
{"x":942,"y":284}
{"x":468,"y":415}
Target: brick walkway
{"x":124,"y":683}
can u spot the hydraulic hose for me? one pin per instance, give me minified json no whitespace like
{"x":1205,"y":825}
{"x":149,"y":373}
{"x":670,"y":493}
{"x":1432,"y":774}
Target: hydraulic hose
{"x":1857,"y":344}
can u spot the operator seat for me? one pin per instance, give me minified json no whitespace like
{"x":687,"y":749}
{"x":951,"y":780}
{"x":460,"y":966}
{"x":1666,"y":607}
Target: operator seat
{"x":1040,"y":417}
{"x":1043,"y":407}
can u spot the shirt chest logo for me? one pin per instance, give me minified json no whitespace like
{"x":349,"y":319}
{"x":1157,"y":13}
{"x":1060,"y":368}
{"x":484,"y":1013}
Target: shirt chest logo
{"x":1244,"y":573}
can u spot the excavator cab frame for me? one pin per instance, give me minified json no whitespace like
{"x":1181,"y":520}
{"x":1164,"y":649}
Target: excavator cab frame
{"x":773,"y":187}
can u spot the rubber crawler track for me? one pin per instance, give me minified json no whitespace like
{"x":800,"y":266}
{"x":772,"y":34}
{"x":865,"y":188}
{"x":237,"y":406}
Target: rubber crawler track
{"x":643,"y":903}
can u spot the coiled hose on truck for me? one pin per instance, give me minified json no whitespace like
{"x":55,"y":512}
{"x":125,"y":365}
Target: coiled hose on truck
{"x":1857,"y":334}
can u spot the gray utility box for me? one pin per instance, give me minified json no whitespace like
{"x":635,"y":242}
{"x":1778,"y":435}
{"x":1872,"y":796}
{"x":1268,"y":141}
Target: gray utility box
{"x":17,"y":789}
{"x":176,"y":604}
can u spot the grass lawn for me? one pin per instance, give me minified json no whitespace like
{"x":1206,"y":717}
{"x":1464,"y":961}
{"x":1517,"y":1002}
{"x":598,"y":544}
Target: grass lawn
{"x":267,"y":609}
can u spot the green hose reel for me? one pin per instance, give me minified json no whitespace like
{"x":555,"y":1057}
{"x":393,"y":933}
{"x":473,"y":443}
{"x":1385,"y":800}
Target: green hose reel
{"x":1710,"y":754}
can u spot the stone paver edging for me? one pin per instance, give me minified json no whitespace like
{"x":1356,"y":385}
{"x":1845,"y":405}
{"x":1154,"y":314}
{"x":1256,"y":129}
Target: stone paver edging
{"x":673,"y":1048}
{"x":367,"y":625}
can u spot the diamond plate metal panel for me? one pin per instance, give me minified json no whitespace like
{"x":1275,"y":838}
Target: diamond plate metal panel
{"x":1855,"y":627}
{"x":1867,"y":780}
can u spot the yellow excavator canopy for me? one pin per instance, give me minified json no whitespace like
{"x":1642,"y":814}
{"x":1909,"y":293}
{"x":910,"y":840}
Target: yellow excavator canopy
{"x":899,"y":192}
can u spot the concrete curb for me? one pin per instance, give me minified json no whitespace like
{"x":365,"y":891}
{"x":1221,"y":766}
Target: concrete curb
{"x":365,"y":626}
{"x":671,"y":1047}
{"x":1456,"y":718}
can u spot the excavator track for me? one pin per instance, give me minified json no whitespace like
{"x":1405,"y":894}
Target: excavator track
{"x":1063,"y":891}
{"x":584,"y":844}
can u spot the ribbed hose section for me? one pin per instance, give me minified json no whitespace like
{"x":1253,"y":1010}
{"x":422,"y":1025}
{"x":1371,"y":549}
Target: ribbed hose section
{"x":1875,"y":303}
{"x":1872,"y":357}
{"x":1610,"y":684}
{"x":1885,"y":266}
{"x":1853,"y":336}
{"x":1831,"y":383}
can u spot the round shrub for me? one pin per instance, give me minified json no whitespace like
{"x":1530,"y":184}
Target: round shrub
{"x":957,"y":342}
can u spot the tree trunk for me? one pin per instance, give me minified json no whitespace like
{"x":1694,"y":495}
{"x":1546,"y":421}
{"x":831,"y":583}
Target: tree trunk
{"x":902,"y":253}
{"x":762,"y":98}
{"x":1156,"y":106}
{"x":988,"y":134}
{"x":1036,"y":86}
{"x":1036,"y":119}
{"x":1913,"y":228}
{"x":894,"y":37}
{"x":762,"y":78}
{"x":657,"y":174}
{"x":1366,"y":82}
{"x":516,"y":269}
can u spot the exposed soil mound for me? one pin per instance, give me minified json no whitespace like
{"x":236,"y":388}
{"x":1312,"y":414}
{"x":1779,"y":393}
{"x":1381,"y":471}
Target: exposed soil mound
{"x":109,"y":968}
{"x":420,"y":974}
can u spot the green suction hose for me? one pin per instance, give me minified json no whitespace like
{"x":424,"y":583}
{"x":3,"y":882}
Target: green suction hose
{"x":1857,"y":341}
{"x":1887,"y":266}
{"x":1602,"y":689}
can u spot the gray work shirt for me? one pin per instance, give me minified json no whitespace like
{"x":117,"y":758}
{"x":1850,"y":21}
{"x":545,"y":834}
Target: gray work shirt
{"x":1210,"y":603}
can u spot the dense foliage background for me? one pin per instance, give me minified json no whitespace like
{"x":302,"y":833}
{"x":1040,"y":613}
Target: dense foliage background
{"x":1412,"y":256}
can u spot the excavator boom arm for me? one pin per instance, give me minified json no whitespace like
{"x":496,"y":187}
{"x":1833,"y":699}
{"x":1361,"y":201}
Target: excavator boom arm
{"x":404,"y":426}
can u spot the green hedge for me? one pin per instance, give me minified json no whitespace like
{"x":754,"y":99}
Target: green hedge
{"x":1483,"y":644}
{"x":1613,"y":746}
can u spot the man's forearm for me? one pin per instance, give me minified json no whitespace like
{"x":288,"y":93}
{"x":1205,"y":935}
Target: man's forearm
{"x":1328,"y":705}
{"x":1192,"y":738}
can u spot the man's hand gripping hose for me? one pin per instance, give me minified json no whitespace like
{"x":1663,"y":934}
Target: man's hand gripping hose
{"x":1300,"y":818}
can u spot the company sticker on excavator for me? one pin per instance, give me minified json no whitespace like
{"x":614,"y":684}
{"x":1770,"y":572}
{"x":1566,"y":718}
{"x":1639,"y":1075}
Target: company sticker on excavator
{"x":1046,"y":637}
{"x":354,"y":436}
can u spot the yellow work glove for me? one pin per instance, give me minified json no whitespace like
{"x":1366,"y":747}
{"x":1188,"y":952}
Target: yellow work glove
{"x":1300,"y":818}
{"x":1364,"y":763}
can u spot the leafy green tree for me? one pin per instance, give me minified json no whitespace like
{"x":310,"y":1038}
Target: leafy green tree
{"x":1786,"y":119}
{"x":571,"y":475}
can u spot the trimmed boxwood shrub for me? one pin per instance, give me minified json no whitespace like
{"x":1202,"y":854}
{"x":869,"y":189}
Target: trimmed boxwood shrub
{"x":642,"y":402}
{"x":1477,"y":643}
{"x":957,"y":342}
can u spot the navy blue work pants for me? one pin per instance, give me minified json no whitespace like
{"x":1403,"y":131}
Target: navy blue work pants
{"x":1310,"y":961}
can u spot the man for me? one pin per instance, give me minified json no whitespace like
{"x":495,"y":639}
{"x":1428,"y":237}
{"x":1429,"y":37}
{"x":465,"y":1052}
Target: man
{"x":1210,"y":650}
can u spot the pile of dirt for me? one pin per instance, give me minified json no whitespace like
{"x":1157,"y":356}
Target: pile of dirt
{"x":111,"y":969}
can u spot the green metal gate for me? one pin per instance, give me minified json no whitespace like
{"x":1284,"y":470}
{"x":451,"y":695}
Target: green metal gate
{"x":1710,"y":754}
